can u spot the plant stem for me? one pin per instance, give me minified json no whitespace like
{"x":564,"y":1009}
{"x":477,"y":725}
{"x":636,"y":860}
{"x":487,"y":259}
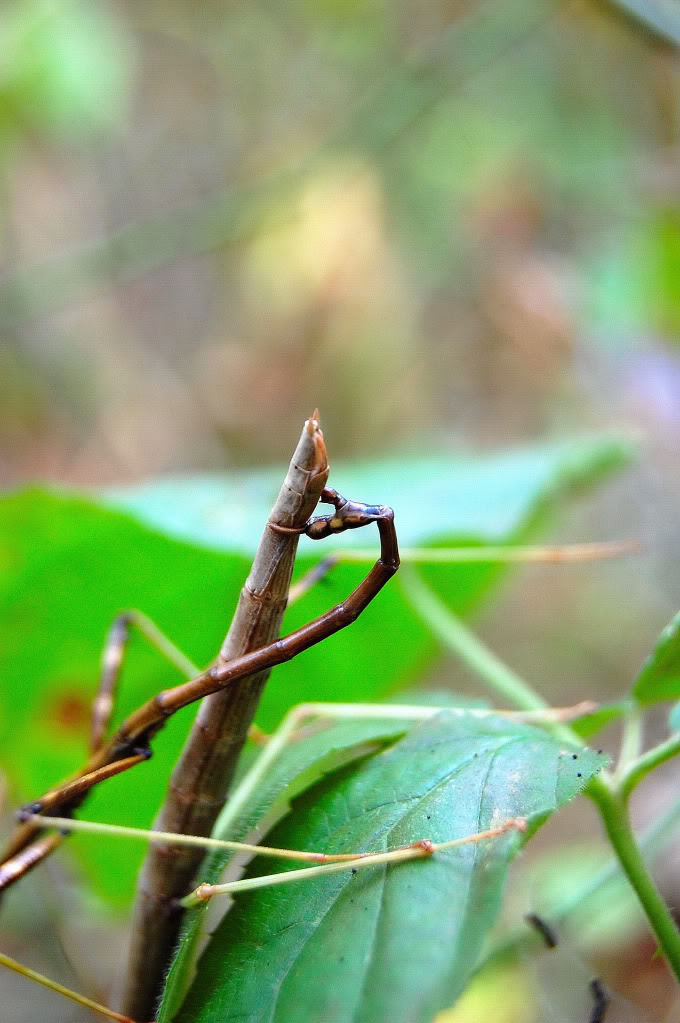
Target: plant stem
{"x":52,"y":985}
{"x":417,"y":851}
{"x":463,"y":642}
{"x":523,"y":938}
{"x":640,"y":768}
{"x":631,"y":739}
{"x":557,"y":554}
{"x":617,"y":824}
{"x":197,"y":841}
{"x":202,"y":775}
{"x":609,"y":801}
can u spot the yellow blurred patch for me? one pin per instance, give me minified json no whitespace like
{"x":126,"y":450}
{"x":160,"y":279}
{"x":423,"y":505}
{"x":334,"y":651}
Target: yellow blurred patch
{"x":503,"y":994}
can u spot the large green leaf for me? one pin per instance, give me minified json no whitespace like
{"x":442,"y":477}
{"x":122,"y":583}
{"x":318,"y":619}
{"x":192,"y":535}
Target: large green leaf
{"x":298,"y":767}
{"x":441,"y":496}
{"x":659,"y":677}
{"x":69,"y":564}
{"x":389,"y":943}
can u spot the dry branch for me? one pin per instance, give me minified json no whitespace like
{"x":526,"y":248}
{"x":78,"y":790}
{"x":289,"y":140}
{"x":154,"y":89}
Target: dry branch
{"x":201,"y":778}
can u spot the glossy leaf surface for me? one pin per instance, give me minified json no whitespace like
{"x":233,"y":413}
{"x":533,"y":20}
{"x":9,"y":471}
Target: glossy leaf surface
{"x":393,"y":942}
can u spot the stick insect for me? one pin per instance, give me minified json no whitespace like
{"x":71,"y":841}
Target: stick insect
{"x":159,"y":916}
{"x":131,"y":744}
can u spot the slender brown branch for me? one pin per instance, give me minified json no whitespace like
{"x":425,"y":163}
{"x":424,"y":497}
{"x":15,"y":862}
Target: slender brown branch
{"x":25,"y":859}
{"x":201,"y":778}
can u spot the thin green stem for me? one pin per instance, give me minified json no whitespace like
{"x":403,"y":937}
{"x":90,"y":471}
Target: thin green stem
{"x":163,"y":645}
{"x":285,"y":733}
{"x":526,"y":939}
{"x":241,"y":795}
{"x":640,"y":768}
{"x":611,"y":805}
{"x":174,"y":838}
{"x":556,"y":554}
{"x":631,"y":739}
{"x":419,"y":850}
{"x":466,"y":645}
{"x":617,"y":824}
{"x":52,"y":985}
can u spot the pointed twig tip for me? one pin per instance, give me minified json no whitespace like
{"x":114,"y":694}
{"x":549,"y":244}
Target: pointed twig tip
{"x":313,"y":421}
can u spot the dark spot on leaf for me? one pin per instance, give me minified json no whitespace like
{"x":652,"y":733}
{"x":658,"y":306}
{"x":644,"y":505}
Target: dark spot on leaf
{"x":428,"y":816}
{"x":599,"y":752}
{"x":574,"y":756}
{"x":579,"y":775}
{"x":354,"y":870}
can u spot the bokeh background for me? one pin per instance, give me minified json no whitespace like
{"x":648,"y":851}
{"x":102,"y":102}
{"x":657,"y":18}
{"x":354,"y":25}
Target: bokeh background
{"x":449,"y":225}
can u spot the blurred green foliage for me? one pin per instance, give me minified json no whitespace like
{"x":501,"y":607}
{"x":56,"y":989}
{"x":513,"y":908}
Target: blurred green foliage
{"x":66,"y":69}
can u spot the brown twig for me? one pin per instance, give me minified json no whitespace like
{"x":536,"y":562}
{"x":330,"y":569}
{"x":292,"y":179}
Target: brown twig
{"x":202,"y":776}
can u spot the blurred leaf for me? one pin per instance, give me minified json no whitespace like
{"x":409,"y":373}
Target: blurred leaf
{"x":633,"y":281}
{"x":591,"y":724}
{"x":612,"y":915}
{"x":435,"y":498}
{"x":68,"y":565}
{"x":663,"y":255}
{"x":67,"y":568}
{"x":480,"y":1001}
{"x":66,"y":66}
{"x":659,"y":677}
{"x":397,"y":942}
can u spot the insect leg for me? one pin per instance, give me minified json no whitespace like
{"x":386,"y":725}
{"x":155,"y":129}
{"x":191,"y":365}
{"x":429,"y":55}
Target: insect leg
{"x":112,"y":661}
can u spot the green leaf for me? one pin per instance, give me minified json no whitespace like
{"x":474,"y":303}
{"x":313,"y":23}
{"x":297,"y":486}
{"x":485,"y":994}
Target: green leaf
{"x":397,"y":942}
{"x":67,"y":568}
{"x":434,"y":498}
{"x":69,"y":564}
{"x":591,"y":724}
{"x":659,"y":677}
{"x":297,"y":768}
